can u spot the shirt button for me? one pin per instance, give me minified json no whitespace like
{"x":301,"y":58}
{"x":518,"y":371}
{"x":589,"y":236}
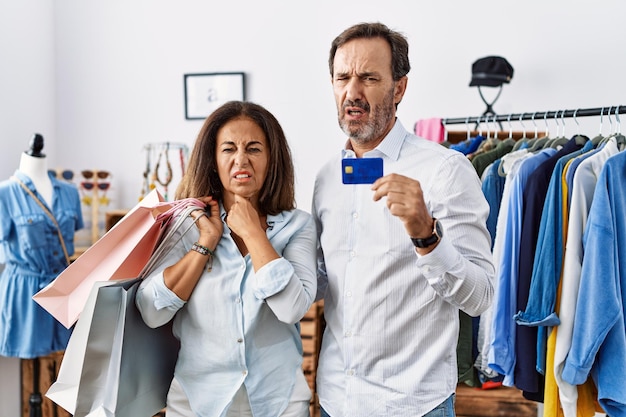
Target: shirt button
{"x":355,"y":215}
{"x":352,"y":254}
{"x":240,"y":340}
{"x":348,"y":293}
{"x":348,"y":333}
{"x":244,"y":372}
{"x":350,"y":372}
{"x":427,"y":268}
{"x":237,"y":300}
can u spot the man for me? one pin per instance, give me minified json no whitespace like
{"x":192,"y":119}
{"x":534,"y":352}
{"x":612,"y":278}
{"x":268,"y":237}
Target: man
{"x":398,"y":258}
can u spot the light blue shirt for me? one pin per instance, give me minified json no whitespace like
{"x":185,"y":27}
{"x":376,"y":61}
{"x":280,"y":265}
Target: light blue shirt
{"x":493,"y":187}
{"x":33,"y":257}
{"x":598,"y":339}
{"x":506,"y":258}
{"x":239,"y":326}
{"x":392,"y":316}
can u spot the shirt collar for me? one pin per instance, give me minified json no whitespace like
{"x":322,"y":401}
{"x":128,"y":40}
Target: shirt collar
{"x":389,"y":147}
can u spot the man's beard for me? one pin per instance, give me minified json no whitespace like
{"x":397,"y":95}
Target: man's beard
{"x":379,"y":119}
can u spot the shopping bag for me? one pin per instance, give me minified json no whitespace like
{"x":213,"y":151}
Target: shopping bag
{"x":121,"y":253}
{"x":114,"y":364}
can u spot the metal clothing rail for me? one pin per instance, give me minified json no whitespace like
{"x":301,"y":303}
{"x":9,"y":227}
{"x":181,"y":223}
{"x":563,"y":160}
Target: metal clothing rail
{"x":558,"y":114}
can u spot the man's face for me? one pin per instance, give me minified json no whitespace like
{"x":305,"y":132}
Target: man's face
{"x":365,"y":92}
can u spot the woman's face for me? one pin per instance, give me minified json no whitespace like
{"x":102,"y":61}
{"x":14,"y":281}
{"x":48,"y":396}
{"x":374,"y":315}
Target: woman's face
{"x":242,"y":157}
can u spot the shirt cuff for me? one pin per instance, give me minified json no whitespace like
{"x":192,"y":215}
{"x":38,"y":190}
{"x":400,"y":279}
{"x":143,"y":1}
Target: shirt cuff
{"x":163,"y":296}
{"x":438,"y":261}
{"x":272,"y":278}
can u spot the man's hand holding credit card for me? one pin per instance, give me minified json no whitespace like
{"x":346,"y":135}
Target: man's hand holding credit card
{"x":361,"y":170}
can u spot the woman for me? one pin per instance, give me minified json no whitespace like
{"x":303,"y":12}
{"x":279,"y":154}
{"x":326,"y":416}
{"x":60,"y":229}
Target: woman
{"x":237,"y":285}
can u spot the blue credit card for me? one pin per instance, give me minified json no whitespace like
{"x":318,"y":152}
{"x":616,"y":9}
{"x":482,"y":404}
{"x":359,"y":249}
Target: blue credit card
{"x":361,"y":170}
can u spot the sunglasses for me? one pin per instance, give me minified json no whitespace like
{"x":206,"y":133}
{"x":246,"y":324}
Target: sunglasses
{"x":66,"y":174}
{"x":88,"y":174}
{"x":88,"y":185}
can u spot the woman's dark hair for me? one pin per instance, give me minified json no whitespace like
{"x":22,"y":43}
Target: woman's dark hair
{"x":201,"y":177}
{"x":400,"y":65}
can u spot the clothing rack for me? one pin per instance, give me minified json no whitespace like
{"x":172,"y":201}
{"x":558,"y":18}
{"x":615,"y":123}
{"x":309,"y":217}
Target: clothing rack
{"x":558,"y":114}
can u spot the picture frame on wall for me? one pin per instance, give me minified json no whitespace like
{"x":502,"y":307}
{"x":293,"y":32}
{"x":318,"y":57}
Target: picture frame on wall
{"x":206,"y":92}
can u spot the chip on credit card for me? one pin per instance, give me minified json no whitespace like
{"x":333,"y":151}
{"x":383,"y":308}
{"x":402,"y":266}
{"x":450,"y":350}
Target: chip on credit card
{"x":361,"y":170}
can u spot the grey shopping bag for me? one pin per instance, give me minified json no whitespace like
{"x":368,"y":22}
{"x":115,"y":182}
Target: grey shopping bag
{"x":114,"y":364}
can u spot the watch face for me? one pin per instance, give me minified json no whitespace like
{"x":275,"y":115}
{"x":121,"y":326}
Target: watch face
{"x":438,"y":229}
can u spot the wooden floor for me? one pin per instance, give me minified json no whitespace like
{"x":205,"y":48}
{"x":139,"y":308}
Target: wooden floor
{"x":496,"y":402}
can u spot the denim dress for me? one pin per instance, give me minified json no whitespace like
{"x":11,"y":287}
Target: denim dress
{"x":33,"y":256}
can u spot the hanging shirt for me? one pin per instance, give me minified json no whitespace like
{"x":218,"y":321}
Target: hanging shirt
{"x":502,"y":355}
{"x":546,"y":273}
{"x":33,"y":257}
{"x":392,"y":316}
{"x":583,"y":185}
{"x":526,"y":376}
{"x":487,"y":319}
{"x":239,"y":326}
{"x":599,"y":334}
{"x":431,"y":129}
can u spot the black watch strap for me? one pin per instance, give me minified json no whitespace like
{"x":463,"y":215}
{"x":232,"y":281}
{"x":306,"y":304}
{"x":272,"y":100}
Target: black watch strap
{"x":432,"y":239}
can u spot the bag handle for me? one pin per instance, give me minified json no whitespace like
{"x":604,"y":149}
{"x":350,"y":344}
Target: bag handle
{"x":45,"y":209}
{"x":164,"y":243}
{"x":175,"y":207}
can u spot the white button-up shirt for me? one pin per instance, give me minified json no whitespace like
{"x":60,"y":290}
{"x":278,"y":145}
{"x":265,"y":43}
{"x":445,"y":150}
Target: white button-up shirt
{"x":389,"y":348}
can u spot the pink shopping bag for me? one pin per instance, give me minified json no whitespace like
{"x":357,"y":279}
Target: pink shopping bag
{"x":121,"y":253}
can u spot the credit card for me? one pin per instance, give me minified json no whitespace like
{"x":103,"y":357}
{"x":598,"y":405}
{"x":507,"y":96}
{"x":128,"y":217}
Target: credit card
{"x":361,"y":170}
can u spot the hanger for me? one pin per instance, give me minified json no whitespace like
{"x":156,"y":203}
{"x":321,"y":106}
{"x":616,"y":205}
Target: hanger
{"x":599,"y":137}
{"x":620,"y":139}
{"x":509,"y":140}
{"x":561,"y":140}
{"x":495,"y":127}
{"x":523,"y":139}
{"x":508,"y":120}
{"x":537,"y":143}
{"x":611,"y":132}
{"x":579,"y":138}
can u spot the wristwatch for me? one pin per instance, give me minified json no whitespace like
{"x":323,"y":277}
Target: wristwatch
{"x":432,"y":239}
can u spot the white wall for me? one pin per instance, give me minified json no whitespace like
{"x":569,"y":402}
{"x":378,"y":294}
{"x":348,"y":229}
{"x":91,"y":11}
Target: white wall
{"x":101,"y":79}
{"x":119,"y":66}
{"x":26,"y":79}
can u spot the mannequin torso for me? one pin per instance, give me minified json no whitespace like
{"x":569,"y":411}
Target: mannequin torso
{"x":36,"y":169}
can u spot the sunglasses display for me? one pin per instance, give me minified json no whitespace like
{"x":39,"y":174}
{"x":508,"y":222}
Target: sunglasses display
{"x":88,"y":185}
{"x":66,"y":174}
{"x":93,"y":189}
{"x":88,"y":174}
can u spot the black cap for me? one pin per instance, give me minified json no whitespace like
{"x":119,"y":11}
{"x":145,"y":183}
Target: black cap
{"x":491,"y":71}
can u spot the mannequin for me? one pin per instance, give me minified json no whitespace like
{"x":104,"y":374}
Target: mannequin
{"x":32,"y":252}
{"x":33,"y":164}
{"x":31,"y":249}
